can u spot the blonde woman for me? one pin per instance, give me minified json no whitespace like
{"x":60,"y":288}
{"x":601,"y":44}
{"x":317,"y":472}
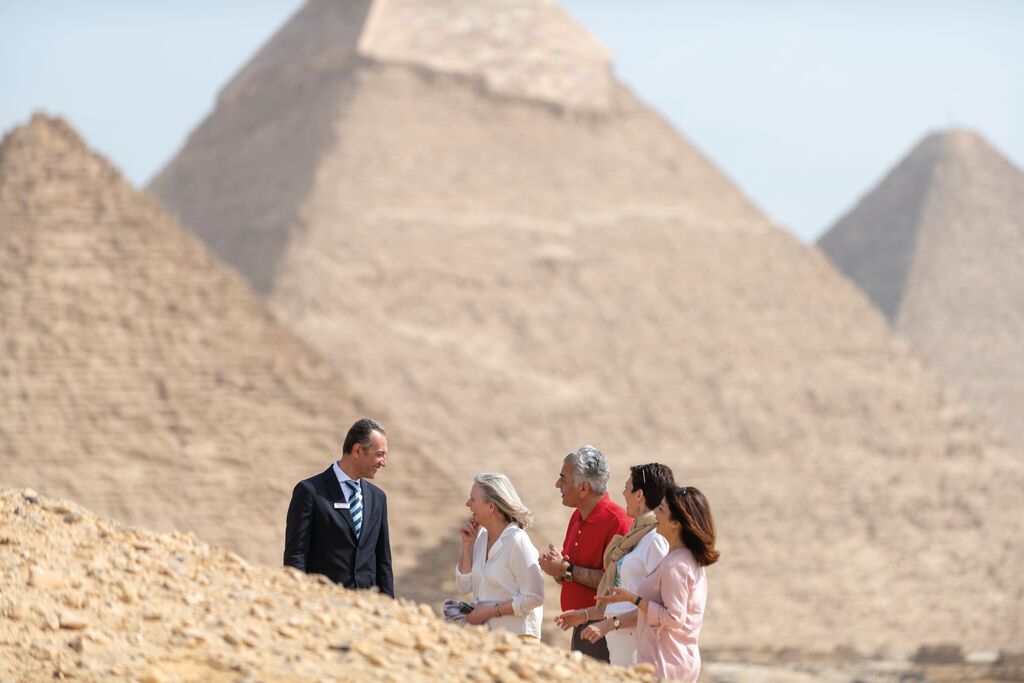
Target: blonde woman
{"x":499,"y":564}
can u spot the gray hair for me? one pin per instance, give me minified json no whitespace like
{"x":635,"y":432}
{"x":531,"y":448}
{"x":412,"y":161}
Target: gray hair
{"x":589,"y":465}
{"x":498,"y":489}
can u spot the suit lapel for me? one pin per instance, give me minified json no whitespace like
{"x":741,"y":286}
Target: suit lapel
{"x":369,"y":509}
{"x":336,"y":495}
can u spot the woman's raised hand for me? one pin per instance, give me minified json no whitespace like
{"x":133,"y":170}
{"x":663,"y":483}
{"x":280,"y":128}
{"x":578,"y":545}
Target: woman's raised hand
{"x":468,"y":532}
{"x":570,"y":619}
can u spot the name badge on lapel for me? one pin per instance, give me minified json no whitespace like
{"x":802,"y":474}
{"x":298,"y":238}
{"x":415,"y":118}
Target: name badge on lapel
{"x":341,"y":506}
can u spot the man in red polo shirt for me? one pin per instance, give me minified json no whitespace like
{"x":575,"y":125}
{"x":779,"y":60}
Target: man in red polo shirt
{"x":579,"y":566}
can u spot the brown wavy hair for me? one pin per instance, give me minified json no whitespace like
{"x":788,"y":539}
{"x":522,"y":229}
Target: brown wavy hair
{"x":690,"y":508}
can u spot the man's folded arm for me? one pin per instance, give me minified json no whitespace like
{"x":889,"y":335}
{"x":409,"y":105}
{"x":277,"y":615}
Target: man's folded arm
{"x":586,"y":576}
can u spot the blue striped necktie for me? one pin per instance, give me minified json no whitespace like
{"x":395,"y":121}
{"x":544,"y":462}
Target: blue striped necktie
{"x":355,"y":504}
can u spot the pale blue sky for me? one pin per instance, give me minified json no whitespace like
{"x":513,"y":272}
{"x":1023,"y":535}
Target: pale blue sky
{"x":805,"y":104}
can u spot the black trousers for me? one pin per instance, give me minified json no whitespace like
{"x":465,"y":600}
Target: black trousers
{"x":598,"y":650}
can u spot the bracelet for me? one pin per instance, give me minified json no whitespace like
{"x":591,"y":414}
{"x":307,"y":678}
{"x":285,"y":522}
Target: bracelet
{"x":497,"y":609}
{"x":637,"y":601}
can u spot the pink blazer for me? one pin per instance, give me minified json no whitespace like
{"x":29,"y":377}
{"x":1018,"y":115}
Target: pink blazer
{"x":667,"y":634}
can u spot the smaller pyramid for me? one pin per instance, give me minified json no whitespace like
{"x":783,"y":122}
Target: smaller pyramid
{"x":143,"y":378}
{"x":938,"y":246}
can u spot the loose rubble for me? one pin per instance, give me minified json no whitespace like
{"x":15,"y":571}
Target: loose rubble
{"x":94,"y":600}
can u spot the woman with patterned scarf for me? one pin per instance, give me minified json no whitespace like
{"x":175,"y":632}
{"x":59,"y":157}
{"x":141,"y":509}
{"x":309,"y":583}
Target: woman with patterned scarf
{"x":627,"y":560}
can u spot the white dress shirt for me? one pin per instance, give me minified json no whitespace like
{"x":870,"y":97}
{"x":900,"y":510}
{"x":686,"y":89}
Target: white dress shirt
{"x":511,"y":572}
{"x":634,"y":567}
{"x":342,"y":478}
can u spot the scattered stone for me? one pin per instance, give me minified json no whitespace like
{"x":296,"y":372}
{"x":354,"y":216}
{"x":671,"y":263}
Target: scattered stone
{"x":45,"y":579}
{"x":51,"y":621}
{"x":18,"y":611}
{"x":58,"y":507}
{"x":44,"y":652}
{"x":99,"y":638}
{"x":73,"y":621}
{"x":944,"y":653}
{"x":193,"y":599}
{"x":154,"y":675}
{"x":522,"y":670}
{"x":195,"y":634}
{"x":399,"y":639}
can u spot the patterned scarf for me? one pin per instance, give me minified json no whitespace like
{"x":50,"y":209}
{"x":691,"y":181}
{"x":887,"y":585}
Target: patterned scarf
{"x":620,"y":546}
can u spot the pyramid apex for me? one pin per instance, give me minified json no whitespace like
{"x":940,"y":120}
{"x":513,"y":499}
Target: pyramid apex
{"x":43,"y":128}
{"x":49,"y":147}
{"x":519,"y":48}
{"x":958,"y":145}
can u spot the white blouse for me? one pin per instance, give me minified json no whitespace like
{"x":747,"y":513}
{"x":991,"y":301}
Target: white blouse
{"x":634,"y":567}
{"x":512,"y":572}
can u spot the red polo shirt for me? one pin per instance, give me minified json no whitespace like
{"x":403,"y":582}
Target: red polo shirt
{"x":585,"y":541}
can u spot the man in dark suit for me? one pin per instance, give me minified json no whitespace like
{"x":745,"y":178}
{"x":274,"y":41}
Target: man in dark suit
{"x":338,"y":521}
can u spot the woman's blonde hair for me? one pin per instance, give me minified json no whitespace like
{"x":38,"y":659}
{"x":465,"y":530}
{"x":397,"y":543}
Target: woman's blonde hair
{"x":498,"y":489}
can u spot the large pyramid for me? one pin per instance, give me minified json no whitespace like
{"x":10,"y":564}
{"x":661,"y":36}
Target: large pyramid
{"x":938,"y":245}
{"x":463,"y":209}
{"x":146,"y":380}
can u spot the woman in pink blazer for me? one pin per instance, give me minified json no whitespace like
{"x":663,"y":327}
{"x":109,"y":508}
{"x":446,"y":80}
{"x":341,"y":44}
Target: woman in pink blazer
{"x":671,"y":599}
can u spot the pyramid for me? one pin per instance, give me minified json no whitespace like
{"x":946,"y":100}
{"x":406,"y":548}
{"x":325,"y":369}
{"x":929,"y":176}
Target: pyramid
{"x":938,"y":245}
{"x":145,"y":379}
{"x":536,"y":268}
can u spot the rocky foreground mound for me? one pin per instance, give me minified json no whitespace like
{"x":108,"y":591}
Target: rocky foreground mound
{"x":87,"y":598}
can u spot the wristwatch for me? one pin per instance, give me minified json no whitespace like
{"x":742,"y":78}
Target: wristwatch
{"x":615,"y":622}
{"x":567,"y":575}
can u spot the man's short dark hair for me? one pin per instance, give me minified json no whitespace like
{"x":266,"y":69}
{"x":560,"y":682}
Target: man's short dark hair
{"x":360,"y":432}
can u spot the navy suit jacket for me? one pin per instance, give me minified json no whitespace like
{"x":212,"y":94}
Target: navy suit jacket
{"x":321,"y":539}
